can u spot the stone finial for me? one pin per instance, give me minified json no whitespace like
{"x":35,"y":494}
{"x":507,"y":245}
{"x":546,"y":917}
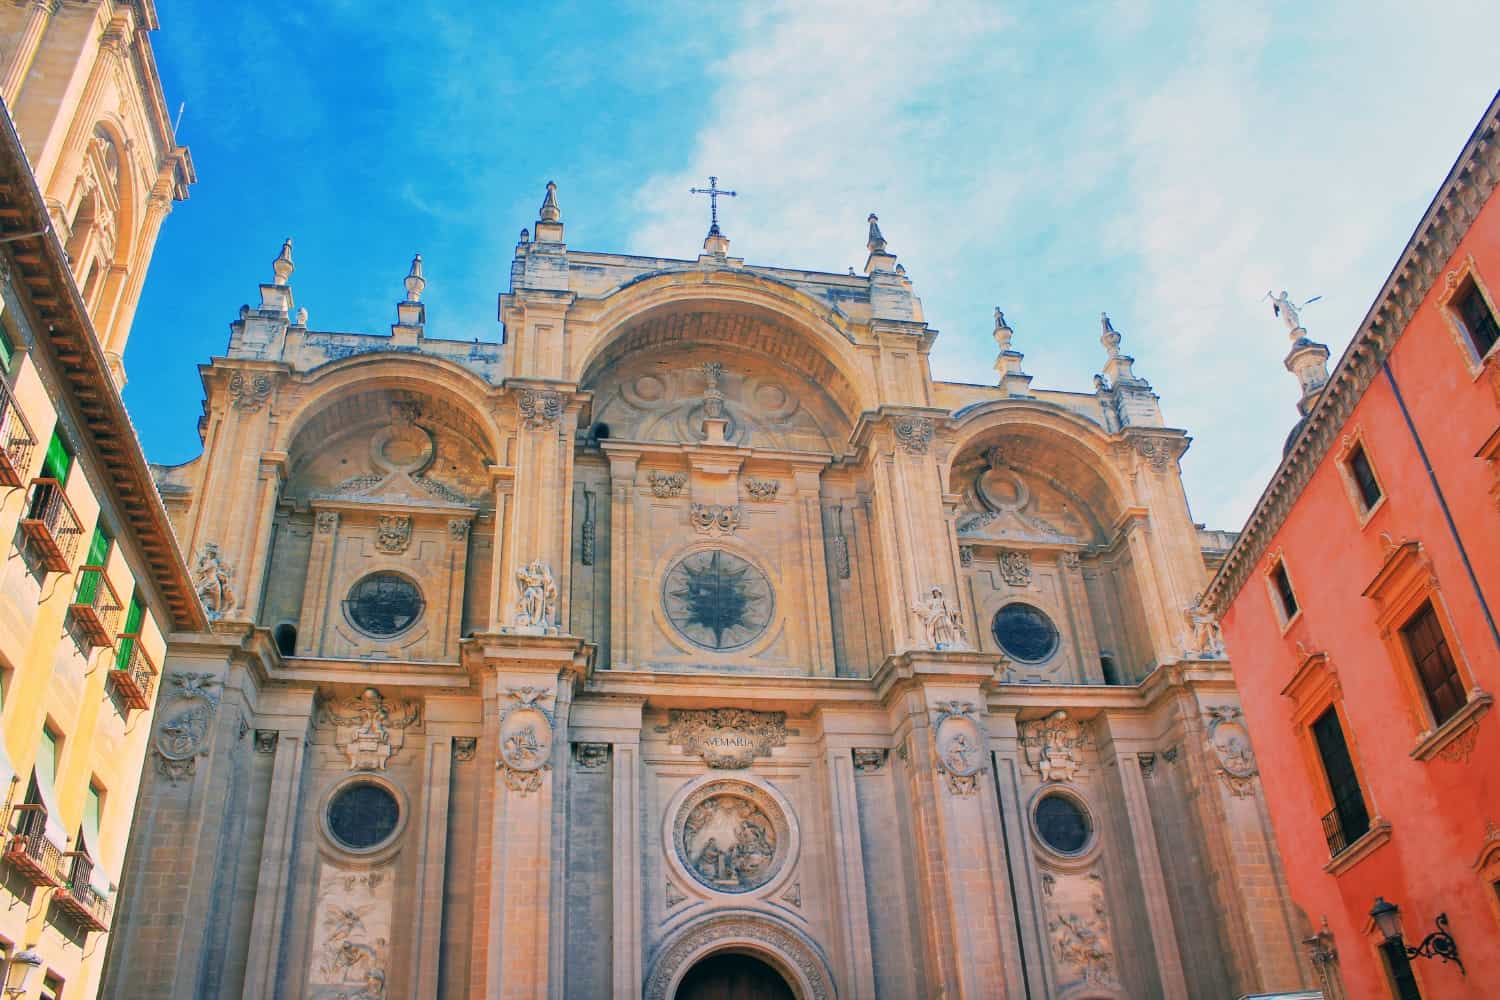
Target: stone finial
{"x":1007,"y":361}
{"x":876,"y":242}
{"x":414,"y":280}
{"x":1117,"y":365}
{"x":525,"y":235}
{"x":1003,"y":332}
{"x":1110,"y":337}
{"x":550,"y":212}
{"x":302,"y":316}
{"x":1308,"y":360}
{"x":282,"y":265}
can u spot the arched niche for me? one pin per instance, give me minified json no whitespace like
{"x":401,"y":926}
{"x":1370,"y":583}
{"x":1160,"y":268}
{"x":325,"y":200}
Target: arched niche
{"x":1039,"y":524}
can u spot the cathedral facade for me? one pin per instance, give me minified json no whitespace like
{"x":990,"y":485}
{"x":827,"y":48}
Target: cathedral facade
{"x":691,"y":633}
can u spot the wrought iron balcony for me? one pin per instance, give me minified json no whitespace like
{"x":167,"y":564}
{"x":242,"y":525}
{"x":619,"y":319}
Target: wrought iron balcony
{"x":79,"y":899}
{"x":51,"y":525}
{"x":1345,"y":824}
{"x":95,"y":612}
{"x":16,"y":439}
{"x":28,"y":850}
{"x":134,"y":674}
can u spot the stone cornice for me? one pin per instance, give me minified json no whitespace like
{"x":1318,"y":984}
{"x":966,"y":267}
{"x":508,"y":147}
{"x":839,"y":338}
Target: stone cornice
{"x":1463,"y":193}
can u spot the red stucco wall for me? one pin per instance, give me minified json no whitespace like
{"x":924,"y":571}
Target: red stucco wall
{"x":1438,"y":809}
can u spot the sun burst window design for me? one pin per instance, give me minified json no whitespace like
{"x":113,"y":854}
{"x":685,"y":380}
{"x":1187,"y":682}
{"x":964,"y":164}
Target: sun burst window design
{"x":717,"y":600}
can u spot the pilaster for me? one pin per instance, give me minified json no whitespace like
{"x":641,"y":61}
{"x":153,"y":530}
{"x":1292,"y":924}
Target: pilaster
{"x":38,"y":16}
{"x":432,"y":854}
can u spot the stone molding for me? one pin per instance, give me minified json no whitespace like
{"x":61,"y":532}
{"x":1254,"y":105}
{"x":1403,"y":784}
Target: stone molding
{"x":792,"y":954}
{"x":1469,"y":185}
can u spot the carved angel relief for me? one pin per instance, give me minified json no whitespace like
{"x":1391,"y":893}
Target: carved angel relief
{"x":1078,"y":926}
{"x":959,"y":746}
{"x":368,"y":729}
{"x":1053,"y":745}
{"x":1229,"y":741}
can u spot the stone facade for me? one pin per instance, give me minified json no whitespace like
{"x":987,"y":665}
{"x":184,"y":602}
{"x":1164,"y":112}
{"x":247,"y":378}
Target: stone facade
{"x":671,"y":625}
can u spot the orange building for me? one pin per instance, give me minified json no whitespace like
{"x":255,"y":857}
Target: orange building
{"x":1359,"y":608}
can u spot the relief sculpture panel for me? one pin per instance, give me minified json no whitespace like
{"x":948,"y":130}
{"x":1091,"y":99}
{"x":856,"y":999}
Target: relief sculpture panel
{"x":351,"y":935}
{"x":731,"y":836}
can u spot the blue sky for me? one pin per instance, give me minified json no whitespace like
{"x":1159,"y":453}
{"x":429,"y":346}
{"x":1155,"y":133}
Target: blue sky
{"x":1163,"y":162}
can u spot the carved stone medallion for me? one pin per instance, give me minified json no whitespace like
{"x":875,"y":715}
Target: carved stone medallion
{"x":538,"y":408}
{"x":913,"y":434}
{"x":959,"y":746}
{"x":726,"y":738}
{"x":526,"y":739}
{"x":188,"y":702}
{"x":1229,"y":741}
{"x":731,"y":836}
{"x":249,"y":394}
{"x":717,"y":600}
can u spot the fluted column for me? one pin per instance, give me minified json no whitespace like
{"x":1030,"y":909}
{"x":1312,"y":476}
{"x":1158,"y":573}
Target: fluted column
{"x":38,"y":16}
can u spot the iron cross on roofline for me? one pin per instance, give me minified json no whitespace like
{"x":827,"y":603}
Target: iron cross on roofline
{"x":713,"y":191}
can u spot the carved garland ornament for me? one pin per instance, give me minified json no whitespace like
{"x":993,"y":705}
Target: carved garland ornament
{"x":188,"y":703}
{"x":726,"y":738}
{"x":763,"y":490}
{"x":786,"y":947}
{"x":525,"y":739}
{"x":667,"y":484}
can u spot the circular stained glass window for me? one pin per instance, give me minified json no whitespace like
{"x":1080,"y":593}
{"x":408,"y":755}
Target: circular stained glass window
{"x":362,"y":816}
{"x":717,"y":600}
{"x":1063,"y":824}
{"x":383,"y":604}
{"x":1025,"y":632}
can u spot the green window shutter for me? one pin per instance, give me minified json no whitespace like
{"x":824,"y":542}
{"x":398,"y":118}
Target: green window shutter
{"x":88,"y":581}
{"x":58,"y":461}
{"x":7,"y":350}
{"x":134,"y":615}
{"x":91,"y":809}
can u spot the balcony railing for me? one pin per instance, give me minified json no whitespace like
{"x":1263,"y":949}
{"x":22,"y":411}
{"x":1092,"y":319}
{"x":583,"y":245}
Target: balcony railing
{"x":134,"y":674}
{"x":16,"y":439}
{"x":29,"y":851}
{"x":95,"y":612}
{"x":80,"y":899}
{"x":1345,"y":824}
{"x":51,"y":525}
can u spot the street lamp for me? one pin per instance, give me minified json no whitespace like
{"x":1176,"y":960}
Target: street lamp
{"x":1438,"y":944}
{"x":27,"y":962}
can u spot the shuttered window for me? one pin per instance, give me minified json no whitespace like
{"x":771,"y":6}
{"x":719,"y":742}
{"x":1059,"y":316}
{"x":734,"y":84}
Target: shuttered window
{"x":59,"y":460}
{"x":1349,"y":813}
{"x":1433,"y":659}
{"x":135,"y":614}
{"x":88,"y":580}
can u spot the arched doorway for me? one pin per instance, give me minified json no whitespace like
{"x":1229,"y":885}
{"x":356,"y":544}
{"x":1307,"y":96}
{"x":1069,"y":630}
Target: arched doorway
{"x":731,"y":975}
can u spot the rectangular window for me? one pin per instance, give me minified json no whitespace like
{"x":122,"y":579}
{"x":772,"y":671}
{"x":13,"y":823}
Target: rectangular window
{"x":52,"y":988}
{"x":1433,"y":660}
{"x":1364,"y":477}
{"x":46,"y":759}
{"x":7,"y":350}
{"x":1284,"y":592}
{"x":1477,"y":319}
{"x":1403,"y":982}
{"x":93,"y":807}
{"x":1349,"y":819}
{"x":59,"y":460}
{"x":88,"y":581}
{"x":135,"y":614}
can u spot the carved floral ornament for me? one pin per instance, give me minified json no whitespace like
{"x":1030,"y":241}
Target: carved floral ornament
{"x":189,"y":701}
{"x":913,"y":434}
{"x":1227,"y":738}
{"x":393,"y":533}
{"x":539,"y":408}
{"x":249,"y":392}
{"x":726,"y":738}
{"x":763,"y":490}
{"x":667,"y":484}
{"x":368,"y":729}
{"x":959,"y":746}
{"x":714,"y":519}
{"x":526,"y":739}
{"x":1053,"y":745}
{"x":1015,"y":567}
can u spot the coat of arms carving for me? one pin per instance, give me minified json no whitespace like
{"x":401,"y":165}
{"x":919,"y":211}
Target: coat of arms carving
{"x":189,"y":701}
{"x":1052,"y":745}
{"x":1229,"y":740}
{"x":526,"y":739}
{"x":368,"y":729}
{"x":726,"y":738}
{"x":393,"y":533}
{"x":958,"y":746}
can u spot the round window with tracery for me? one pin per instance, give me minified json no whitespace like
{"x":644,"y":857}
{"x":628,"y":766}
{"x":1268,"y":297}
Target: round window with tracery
{"x":717,"y":600}
{"x":1025,"y":633}
{"x":383,"y":605}
{"x":363,"y":816}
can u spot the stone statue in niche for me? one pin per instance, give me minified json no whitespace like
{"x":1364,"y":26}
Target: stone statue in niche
{"x":942,"y":624}
{"x":212,"y":579}
{"x":536,"y":604}
{"x":1204,"y":637}
{"x":1052,"y":745}
{"x":368,"y":729}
